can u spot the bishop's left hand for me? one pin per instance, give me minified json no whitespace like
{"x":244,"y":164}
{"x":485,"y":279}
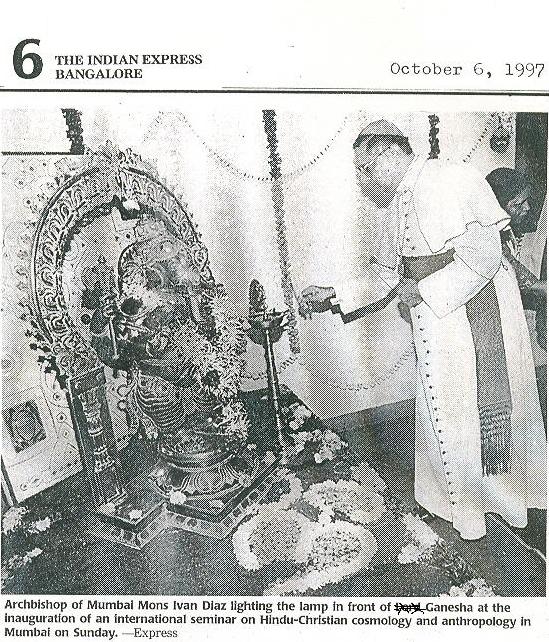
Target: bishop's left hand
{"x":408,"y":292}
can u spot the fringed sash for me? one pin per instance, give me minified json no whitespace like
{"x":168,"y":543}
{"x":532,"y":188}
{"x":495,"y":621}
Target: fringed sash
{"x":493,"y":389}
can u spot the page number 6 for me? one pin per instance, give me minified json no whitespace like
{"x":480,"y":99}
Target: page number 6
{"x":19,"y":59}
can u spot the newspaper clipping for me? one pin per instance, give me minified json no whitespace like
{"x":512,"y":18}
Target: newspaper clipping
{"x":273,"y":321}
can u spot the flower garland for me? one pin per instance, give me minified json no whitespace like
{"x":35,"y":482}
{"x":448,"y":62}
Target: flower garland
{"x":489,"y":124}
{"x":224,"y":354}
{"x":229,"y":165}
{"x":434,"y":142}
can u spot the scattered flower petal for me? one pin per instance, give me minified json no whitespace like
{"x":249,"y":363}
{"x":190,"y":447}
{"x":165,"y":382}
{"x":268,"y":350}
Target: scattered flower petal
{"x":475,"y":587}
{"x":41,"y":525}
{"x":12,"y":519}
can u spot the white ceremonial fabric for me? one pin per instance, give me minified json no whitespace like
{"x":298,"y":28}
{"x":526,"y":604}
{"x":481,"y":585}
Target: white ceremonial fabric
{"x":448,"y":473}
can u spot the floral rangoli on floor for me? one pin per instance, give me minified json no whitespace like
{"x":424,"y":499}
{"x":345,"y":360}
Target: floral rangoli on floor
{"x":333,"y":530}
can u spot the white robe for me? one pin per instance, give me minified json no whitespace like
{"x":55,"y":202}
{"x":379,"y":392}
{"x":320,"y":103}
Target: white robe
{"x":448,"y":470}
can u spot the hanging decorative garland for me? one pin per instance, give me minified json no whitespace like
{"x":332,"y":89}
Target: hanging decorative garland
{"x":269,"y":122}
{"x":433,"y":136}
{"x":73,"y":119}
{"x":489,"y":124}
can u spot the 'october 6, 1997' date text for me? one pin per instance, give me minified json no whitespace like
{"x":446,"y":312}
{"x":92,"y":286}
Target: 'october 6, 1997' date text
{"x":518,"y":69}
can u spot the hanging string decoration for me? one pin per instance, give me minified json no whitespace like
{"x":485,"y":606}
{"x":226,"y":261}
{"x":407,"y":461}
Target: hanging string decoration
{"x":277,"y":194}
{"x":229,"y":165}
{"x":488,"y":126}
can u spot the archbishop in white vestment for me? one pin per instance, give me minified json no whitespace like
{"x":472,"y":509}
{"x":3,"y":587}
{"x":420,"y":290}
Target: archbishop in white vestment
{"x":449,"y":214}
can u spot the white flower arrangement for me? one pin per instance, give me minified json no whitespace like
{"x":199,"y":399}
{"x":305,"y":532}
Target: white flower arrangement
{"x":109,"y":508}
{"x":301,"y":439}
{"x":244,"y":479}
{"x":331,"y":552}
{"x":298,"y":413}
{"x":328,"y":550}
{"x":357,"y":503}
{"x":326,"y":442}
{"x":412,"y":553}
{"x":18,"y":561}
{"x":268,"y":536}
{"x":330,"y":444}
{"x":424,"y":540}
{"x":40,"y":525}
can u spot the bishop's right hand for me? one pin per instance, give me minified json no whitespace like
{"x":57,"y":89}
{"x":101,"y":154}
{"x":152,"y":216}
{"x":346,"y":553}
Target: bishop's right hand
{"x":315,"y":298}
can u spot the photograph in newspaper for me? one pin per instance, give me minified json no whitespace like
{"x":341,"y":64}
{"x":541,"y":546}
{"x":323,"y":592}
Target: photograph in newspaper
{"x":273,"y":352}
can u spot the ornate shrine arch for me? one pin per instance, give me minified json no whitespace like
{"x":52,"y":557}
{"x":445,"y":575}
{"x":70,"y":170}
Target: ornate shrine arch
{"x":106,"y":177}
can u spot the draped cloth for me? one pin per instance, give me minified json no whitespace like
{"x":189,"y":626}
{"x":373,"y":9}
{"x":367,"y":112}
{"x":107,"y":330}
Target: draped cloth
{"x":493,"y":389}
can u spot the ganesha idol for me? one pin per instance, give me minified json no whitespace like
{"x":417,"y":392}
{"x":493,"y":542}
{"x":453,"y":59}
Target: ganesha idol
{"x":173,"y":335}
